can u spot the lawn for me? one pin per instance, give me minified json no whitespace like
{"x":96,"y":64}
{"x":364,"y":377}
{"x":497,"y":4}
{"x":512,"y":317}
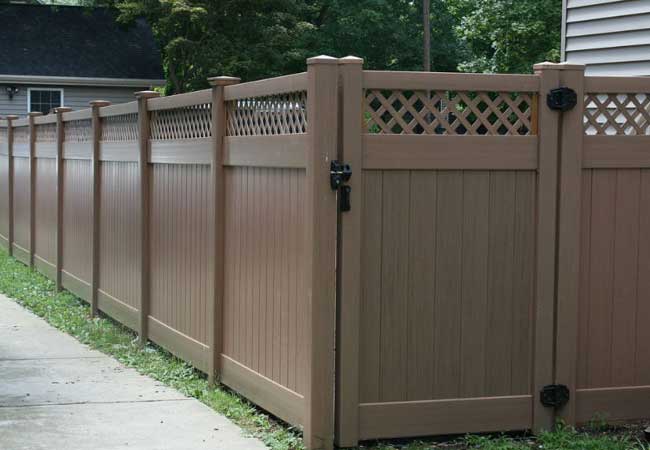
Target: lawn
{"x":71,"y":315}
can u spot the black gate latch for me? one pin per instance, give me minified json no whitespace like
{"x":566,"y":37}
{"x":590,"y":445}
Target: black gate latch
{"x":562,"y":99}
{"x":340,"y":174}
{"x":555,"y":395}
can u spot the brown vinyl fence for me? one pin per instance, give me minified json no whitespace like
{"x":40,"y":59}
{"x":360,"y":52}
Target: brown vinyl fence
{"x":494,"y":246}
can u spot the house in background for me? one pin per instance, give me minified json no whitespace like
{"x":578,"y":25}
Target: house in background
{"x":54,"y":56}
{"x":611,"y":37}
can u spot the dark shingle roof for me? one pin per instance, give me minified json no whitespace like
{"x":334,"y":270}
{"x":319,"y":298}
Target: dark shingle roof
{"x":67,"y":41}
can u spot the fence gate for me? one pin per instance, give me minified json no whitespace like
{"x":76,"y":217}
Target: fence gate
{"x":446,"y":264}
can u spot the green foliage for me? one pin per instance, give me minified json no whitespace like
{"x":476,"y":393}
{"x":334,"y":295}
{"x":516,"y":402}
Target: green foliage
{"x":507,"y":35}
{"x":255,"y":39}
{"x":567,"y":438}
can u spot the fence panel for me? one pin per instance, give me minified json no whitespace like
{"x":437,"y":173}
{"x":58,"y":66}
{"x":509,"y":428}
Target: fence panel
{"x":119,"y":242}
{"x":4,"y":184}
{"x":265,"y":311}
{"x":77,"y":224}
{"x":21,"y":191}
{"x":612,"y":369}
{"x":45,"y":202}
{"x":180,"y":203}
{"x":442,"y":246}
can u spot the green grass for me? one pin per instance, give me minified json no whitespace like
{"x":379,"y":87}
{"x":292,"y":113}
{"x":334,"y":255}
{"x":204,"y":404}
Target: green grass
{"x":71,"y":315}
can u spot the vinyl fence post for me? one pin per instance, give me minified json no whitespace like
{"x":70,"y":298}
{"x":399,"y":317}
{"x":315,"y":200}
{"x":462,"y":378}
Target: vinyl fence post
{"x":547,"y":130}
{"x":320,"y":222}
{"x":10,"y":182}
{"x":60,"y":137}
{"x":32,"y":185}
{"x":217,"y":226}
{"x":569,"y":216}
{"x":143,"y":206}
{"x":349,"y":257}
{"x":96,"y":204}
{"x":552,"y":129}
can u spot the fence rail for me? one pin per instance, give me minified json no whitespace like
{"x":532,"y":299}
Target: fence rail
{"x":456,"y":288}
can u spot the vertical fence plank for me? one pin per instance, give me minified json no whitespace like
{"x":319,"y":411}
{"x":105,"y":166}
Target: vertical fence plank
{"x":10,"y":182}
{"x":144,"y":193}
{"x":320,"y":220}
{"x":568,"y":238}
{"x":96,"y":199}
{"x":548,"y":130}
{"x":32,"y":185}
{"x":60,"y":137}
{"x":217,"y":225}
{"x":349,"y":267}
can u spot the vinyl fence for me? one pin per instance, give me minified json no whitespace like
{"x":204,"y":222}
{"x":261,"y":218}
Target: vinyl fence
{"x":494,"y":248}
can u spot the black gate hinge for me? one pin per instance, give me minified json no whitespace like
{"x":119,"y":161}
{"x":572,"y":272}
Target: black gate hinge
{"x":340,"y":174}
{"x":555,"y":395}
{"x":562,"y":99}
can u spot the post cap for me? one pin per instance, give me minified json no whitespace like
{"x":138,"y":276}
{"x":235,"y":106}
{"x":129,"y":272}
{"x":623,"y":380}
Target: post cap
{"x":546,"y":65}
{"x":99,"y":103}
{"x":35,"y":114}
{"x":223,"y":81}
{"x":11,"y":117}
{"x":62,"y":109}
{"x":322,"y":59}
{"x":351,"y":60}
{"x":146,"y":94}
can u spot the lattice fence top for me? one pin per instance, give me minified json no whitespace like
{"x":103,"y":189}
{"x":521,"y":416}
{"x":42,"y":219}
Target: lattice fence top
{"x":617,"y":114}
{"x":46,"y":132}
{"x":21,"y":134}
{"x":448,"y":112}
{"x":190,"y":122}
{"x":120,"y":128}
{"x":78,"y":131}
{"x":269,"y":115}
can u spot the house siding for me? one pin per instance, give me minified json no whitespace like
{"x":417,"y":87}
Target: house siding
{"x":611,"y":37}
{"x":76,"y":97}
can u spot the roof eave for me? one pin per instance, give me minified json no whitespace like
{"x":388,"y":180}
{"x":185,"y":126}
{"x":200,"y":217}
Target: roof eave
{"x":80,"y":81}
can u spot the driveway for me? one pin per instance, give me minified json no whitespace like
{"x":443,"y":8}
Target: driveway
{"x":56,"y":393}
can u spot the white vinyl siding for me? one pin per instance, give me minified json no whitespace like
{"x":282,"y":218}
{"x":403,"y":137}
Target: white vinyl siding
{"x":76,"y":97}
{"x":612,"y":37}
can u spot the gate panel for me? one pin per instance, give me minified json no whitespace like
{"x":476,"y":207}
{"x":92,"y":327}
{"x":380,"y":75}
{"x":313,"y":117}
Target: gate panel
{"x":447,"y":258}
{"x":447,"y":197}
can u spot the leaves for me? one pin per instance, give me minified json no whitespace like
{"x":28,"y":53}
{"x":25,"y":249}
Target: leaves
{"x":507,"y":35}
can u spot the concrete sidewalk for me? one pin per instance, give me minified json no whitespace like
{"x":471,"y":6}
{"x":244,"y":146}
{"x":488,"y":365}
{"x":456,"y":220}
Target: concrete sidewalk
{"x":56,"y":393}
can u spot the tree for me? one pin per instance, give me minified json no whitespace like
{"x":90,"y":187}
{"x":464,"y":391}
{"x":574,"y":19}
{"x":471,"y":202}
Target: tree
{"x":507,"y":35}
{"x":256,"y":39}
{"x":201,"y":38}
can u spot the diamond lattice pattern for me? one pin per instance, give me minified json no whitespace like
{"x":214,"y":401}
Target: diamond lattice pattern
{"x":270,"y":115}
{"x":448,"y":112}
{"x":191,"y":122}
{"x":46,"y":132}
{"x":120,"y":128}
{"x":21,"y":134}
{"x":78,"y":130}
{"x":617,"y":114}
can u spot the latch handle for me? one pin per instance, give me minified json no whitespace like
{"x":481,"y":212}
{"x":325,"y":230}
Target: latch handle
{"x":341,"y":173}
